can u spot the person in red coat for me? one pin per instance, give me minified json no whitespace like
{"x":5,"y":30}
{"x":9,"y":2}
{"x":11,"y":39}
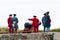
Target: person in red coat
{"x":10,"y":23}
{"x":35,"y":23}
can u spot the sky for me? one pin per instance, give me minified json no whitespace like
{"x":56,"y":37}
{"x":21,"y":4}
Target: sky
{"x":27,"y":8}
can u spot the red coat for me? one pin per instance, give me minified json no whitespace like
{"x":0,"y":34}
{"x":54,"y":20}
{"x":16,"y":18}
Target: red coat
{"x":35,"y":22}
{"x":9,"y":21}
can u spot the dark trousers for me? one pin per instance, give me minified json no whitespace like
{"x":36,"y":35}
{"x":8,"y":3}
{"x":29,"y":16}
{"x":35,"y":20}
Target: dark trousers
{"x":10,"y":30}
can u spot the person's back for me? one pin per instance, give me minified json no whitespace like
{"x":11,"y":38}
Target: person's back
{"x":35,"y":21}
{"x":35,"y":24}
{"x":15,"y":19}
{"x":15,"y":23}
{"x":48,"y":18}
{"x":9,"y":20}
{"x":48,"y":21}
{"x":44,"y":21}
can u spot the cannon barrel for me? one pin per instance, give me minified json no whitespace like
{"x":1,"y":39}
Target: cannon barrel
{"x":28,"y":25}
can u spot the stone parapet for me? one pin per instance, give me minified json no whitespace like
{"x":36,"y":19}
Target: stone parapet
{"x":27,"y":36}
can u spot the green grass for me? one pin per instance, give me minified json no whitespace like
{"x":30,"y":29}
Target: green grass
{"x":3,"y":29}
{"x":55,"y":30}
{"x":6,"y":30}
{"x":52,"y":30}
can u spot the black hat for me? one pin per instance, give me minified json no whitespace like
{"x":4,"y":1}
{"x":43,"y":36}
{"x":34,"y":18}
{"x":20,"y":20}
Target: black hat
{"x":44,"y":13}
{"x":10,"y":15}
{"x":34,"y":16}
{"x":14,"y":14}
{"x":47,"y":12}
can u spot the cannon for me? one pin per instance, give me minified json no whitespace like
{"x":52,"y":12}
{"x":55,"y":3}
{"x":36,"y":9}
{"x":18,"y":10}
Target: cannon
{"x":27,"y":28}
{"x":28,"y":25}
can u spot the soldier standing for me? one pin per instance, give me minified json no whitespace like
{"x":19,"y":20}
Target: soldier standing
{"x":15,"y":23}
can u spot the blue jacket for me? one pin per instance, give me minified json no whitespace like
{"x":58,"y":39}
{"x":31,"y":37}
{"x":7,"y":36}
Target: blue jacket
{"x":15,"y":22}
{"x":45,"y":21}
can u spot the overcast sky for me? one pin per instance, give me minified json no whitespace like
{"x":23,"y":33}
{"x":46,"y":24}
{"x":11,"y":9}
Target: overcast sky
{"x":27,"y":8}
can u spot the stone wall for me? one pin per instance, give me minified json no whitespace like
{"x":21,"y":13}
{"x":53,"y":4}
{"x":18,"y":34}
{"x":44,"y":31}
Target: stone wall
{"x":56,"y":36}
{"x":27,"y":36}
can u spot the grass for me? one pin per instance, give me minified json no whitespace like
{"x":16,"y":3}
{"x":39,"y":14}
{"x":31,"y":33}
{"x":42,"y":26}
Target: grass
{"x":55,"y":30}
{"x":6,"y":30}
{"x":3,"y":29}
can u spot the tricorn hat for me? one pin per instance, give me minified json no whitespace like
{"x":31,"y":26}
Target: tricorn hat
{"x":14,"y":14}
{"x":34,"y":16}
{"x":47,"y":12}
{"x":10,"y":14}
{"x":44,"y":14}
